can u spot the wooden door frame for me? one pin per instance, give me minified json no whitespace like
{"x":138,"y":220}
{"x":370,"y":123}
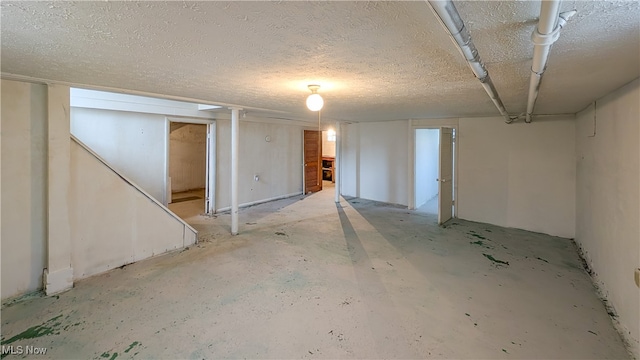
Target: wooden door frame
{"x":319,"y":173}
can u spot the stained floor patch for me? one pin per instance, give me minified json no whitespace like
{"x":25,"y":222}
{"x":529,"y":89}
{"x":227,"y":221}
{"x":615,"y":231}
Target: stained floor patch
{"x":49,"y":327}
{"x":133,"y":345}
{"x":474,"y":234}
{"x":490,"y":257}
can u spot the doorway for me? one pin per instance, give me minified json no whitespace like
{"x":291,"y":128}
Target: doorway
{"x":312,"y":148}
{"x":434,"y":164}
{"x":319,"y":153}
{"x":328,"y":158}
{"x":190,"y":167}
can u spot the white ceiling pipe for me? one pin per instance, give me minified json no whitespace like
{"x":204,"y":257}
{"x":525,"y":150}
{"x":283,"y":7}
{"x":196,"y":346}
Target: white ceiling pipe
{"x":546,"y":33}
{"x":452,"y":22}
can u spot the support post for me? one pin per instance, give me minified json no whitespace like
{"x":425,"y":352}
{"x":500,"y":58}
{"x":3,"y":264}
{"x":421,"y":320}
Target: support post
{"x":58,"y":276}
{"x":235,"y":137}
{"x":336,"y":162}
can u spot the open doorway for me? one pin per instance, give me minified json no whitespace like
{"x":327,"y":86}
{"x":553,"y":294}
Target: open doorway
{"x":189,"y":167}
{"x":328,"y":158}
{"x":319,"y":153}
{"x":427,"y":157}
{"x":434,"y":166}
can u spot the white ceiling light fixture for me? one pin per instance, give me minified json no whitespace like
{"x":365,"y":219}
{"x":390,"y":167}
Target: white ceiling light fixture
{"x":314,"y":101}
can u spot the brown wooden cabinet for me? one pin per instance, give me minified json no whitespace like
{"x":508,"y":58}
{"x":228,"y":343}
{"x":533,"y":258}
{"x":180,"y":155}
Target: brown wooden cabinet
{"x":328,"y":169}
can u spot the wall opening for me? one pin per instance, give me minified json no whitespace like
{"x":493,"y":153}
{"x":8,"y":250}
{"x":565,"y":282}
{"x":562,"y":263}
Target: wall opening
{"x":434,"y":175}
{"x":328,"y":158}
{"x":189,"y":167}
{"x":426,"y":175}
{"x":187,"y":163}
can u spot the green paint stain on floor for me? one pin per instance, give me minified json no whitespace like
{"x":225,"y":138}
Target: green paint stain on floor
{"x":477,"y":235}
{"x":133,"y":344}
{"x":479,"y":242}
{"x":49,"y":327}
{"x":539,"y":258}
{"x":495,"y":260}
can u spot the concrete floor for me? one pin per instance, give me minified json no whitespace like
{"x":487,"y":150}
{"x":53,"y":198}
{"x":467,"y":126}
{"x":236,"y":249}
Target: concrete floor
{"x":308,"y":279}
{"x":430,"y":207}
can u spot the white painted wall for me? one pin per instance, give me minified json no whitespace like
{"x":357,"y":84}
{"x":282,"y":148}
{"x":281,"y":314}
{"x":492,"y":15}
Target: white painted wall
{"x":58,"y":276}
{"x":518,"y":175}
{"x":514,"y":175}
{"x":187,"y":156}
{"x":62,"y":200}
{"x":277,"y":162}
{"x":94,"y":99}
{"x":349,"y":161}
{"x":113,"y":222}
{"x":608,"y":198}
{"x":328,"y":147}
{"x":133,"y":143}
{"x":129,"y":131}
{"x":375,"y":161}
{"x":24,"y":185}
{"x":427,"y":153}
{"x":1,"y":199}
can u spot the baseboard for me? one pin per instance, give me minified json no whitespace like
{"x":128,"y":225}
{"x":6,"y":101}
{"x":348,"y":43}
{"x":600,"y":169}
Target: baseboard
{"x":57,"y":281}
{"x":228,"y":208}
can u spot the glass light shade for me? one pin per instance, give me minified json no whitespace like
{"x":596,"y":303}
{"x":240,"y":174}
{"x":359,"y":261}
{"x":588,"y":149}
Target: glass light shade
{"x":315,"y":102}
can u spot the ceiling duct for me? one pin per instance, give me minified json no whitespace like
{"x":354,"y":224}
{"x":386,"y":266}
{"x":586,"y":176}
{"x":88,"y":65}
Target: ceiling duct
{"x":546,"y":33}
{"x":452,"y":22}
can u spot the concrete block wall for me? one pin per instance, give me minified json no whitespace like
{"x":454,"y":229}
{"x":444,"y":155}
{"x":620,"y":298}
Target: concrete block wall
{"x":608,"y":201}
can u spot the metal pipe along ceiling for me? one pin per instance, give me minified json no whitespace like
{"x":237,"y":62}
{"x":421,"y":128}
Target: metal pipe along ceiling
{"x":452,"y":22}
{"x":546,"y":33}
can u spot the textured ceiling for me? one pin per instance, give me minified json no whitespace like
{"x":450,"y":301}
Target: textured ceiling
{"x":374,"y":60}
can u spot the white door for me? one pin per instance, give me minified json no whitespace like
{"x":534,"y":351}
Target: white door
{"x":445,"y":185}
{"x":210,"y":185}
